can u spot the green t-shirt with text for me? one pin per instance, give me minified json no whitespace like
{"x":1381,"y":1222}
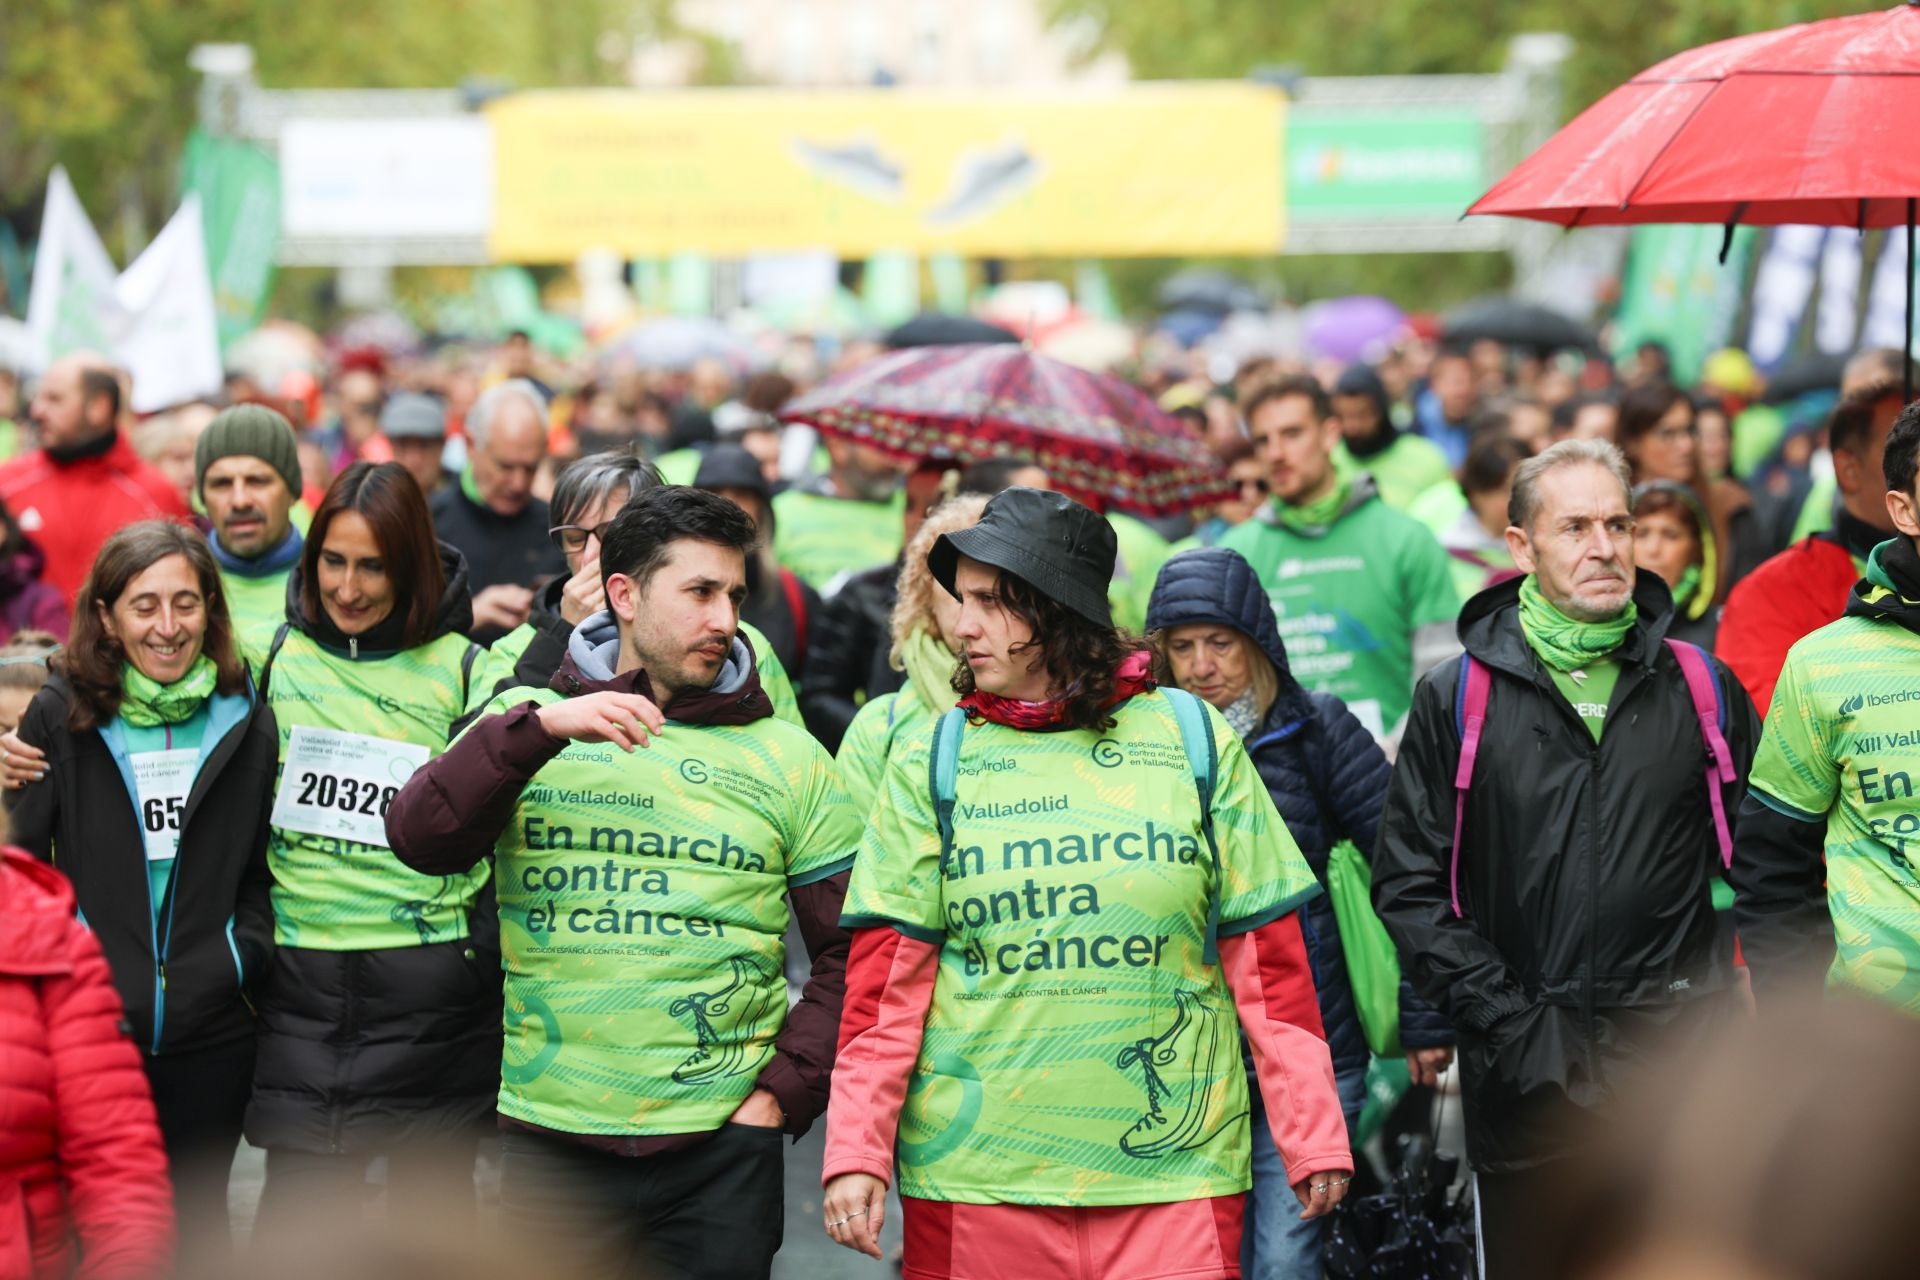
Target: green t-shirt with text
{"x":643,"y":920}
{"x":1350,"y":601}
{"x":1077,"y":1051}
{"x":1842,"y":747}
{"x":1589,"y":691}
{"x":258,"y":607}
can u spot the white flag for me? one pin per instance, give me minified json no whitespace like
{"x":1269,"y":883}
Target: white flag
{"x":72,"y":306}
{"x":168,"y":337}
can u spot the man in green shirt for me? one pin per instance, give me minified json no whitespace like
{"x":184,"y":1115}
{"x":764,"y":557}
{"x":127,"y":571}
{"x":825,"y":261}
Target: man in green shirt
{"x":1823,"y":870}
{"x":1402,"y":464}
{"x":1363,"y":594}
{"x":651,"y":1061}
{"x":247,"y":469}
{"x":844,"y":521}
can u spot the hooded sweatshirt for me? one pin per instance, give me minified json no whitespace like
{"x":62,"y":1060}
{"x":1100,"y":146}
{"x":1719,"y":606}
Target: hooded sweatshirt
{"x":1404,"y":466}
{"x":644,"y":900}
{"x":366,"y":713}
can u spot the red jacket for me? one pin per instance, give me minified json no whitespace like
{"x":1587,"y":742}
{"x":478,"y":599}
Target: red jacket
{"x":1789,"y":596}
{"x":71,"y":508}
{"x":83,"y":1177}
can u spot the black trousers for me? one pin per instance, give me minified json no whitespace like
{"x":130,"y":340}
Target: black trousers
{"x":1512,"y":1246}
{"x":201,"y":1097}
{"x":713,"y":1211}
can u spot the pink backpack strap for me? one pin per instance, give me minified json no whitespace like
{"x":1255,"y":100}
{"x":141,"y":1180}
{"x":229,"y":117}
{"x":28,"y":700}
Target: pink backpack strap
{"x":1705,"y":691}
{"x":1470,"y":716}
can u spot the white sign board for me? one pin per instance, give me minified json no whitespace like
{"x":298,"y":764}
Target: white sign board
{"x":401,"y":178}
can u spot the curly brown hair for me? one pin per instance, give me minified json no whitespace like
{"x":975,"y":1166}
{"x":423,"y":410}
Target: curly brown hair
{"x":93,"y":659}
{"x":1081,"y":657}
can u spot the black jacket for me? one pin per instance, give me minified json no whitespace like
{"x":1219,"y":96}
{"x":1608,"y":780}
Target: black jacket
{"x":215,"y":924}
{"x":1585,"y":874}
{"x":363,"y":1051}
{"x":772,"y":593}
{"x":499,"y":549}
{"x":847,"y":653}
{"x":1326,"y":774}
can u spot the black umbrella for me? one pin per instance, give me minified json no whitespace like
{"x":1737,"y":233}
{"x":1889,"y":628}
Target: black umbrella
{"x":937,"y":329}
{"x":1515,"y":324}
{"x":1801,"y":374}
{"x":1215,"y":292}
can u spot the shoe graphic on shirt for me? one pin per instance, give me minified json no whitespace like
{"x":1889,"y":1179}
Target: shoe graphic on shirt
{"x":723,"y":1022}
{"x":1179,"y":1073}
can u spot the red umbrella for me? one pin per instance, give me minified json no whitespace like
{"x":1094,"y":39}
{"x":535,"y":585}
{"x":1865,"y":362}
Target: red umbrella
{"x":1098,"y":438}
{"x":1809,"y":124}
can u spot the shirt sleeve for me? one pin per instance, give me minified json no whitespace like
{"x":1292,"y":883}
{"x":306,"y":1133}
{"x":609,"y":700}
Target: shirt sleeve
{"x":1264,"y":874}
{"x":778,"y":685}
{"x":1794,"y":772}
{"x":896,"y":876}
{"x":829,"y":829}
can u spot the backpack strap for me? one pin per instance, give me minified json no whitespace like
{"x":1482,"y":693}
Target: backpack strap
{"x":1469,"y":717}
{"x":1197,"y":736}
{"x":943,"y":775}
{"x":273,"y":651}
{"x":797,"y":607}
{"x":1704,"y":687}
{"x":467,"y":659}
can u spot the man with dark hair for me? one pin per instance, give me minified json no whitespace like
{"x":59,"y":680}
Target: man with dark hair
{"x":1404,"y":466}
{"x":85,"y":481}
{"x":1592,"y":415}
{"x":1808,"y":585}
{"x":1094,"y":993}
{"x":1823,"y":871}
{"x":784,"y":609}
{"x":651,"y":1061}
{"x":1363,"y":593}
{"x":247,"y":470}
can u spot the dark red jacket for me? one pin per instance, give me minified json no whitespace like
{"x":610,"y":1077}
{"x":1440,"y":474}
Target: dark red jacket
{"x":71,"y":508}
{"x":83,"y":1177}
{"x":1784,"y":599}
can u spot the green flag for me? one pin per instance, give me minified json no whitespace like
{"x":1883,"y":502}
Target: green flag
{"x":239,"y":189}
{"x":1677,"y":292}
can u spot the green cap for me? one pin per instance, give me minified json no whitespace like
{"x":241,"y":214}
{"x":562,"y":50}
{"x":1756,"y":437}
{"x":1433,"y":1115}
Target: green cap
{"x":252,"y":431}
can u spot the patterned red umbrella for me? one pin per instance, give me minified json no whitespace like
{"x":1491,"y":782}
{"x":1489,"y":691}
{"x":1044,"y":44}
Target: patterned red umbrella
{"x":1098,"y":438}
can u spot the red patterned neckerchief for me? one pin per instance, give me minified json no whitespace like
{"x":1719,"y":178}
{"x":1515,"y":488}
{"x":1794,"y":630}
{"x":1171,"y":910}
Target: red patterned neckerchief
{"x":1133,"y":676}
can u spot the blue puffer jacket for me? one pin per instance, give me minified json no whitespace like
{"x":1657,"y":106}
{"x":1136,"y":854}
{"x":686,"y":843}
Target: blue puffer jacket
{"x":1327,"y":776}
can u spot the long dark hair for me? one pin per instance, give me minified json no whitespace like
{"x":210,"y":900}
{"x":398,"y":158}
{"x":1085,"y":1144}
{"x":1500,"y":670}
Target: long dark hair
{"x":1080,"y":656}
{"x":93,"y":659}
{"x":389,"y":500}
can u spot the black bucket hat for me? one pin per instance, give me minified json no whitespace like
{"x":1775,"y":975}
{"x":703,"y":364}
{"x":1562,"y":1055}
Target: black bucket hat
{"x":1046,"y":539}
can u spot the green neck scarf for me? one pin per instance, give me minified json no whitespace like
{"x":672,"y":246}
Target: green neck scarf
{"x":930,"y":666}
{"x":147,"y":704}
{"x":1683,"y":591}
{"x":1563,"y":643}
{"x":1318,"y":515}
{"x":470,"y":485}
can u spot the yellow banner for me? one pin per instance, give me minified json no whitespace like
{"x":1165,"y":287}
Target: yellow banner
{"x":1135,"y":171}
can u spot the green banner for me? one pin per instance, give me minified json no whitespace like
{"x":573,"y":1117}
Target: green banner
{"x":1354,"y":165}
{"x":1675,"y":291}
{"x":239,"y":189}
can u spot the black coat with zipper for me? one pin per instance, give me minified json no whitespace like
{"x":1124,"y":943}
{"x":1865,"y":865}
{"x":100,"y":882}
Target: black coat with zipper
{"x":218,"y":937}
{"x":1588,"y":932}
{"x":364,"y":1051}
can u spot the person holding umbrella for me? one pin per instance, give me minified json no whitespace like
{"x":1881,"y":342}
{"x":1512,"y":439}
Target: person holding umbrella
{"x":1073,"y":895}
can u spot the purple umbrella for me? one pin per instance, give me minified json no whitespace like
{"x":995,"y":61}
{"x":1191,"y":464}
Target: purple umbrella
{"x":1356,"y":328}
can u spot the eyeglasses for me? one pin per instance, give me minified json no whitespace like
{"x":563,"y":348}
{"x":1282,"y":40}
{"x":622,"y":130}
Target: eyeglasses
{"x":1258,"y":484}
{"x":572,"y":538}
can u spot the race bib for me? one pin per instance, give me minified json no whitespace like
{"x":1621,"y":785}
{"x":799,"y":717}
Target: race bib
{"x":340,"y":784}
{"x":163,"y":780}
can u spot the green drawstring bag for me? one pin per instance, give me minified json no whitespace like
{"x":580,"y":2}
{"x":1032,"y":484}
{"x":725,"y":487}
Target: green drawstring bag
{"x":1387,"y":1083}
{"x":1372,"y":967}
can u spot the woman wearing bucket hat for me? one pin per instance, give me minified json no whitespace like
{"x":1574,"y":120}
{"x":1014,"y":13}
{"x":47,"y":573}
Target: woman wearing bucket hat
{"x":1074,"y":894}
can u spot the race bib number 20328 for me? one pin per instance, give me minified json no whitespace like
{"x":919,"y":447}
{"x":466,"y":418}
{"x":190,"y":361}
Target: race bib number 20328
{"x":340,"y":784}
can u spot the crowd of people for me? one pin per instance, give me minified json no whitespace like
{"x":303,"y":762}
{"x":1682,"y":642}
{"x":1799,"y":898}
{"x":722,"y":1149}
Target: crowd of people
{"x":466,"y":744}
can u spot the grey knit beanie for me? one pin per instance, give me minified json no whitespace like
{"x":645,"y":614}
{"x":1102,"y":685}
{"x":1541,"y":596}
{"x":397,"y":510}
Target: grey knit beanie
{"x":253,"y":431}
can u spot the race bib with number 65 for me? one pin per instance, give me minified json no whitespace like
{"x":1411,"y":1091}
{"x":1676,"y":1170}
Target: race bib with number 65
{"x":164,"y":779}
{"x":340,"y":784}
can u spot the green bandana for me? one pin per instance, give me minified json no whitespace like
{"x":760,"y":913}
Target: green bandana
{"x":147,"y":704}
{"x":1318,"y":515}
{"x":1683,"y":591}
{"x":1563,"y":643}
{"x":930,"y":666}
{"x":470,"y":485}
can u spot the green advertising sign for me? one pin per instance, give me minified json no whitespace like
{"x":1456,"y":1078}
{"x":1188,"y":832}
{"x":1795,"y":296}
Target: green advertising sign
{"x":239,"y":188}
{"x":1355,"y":165}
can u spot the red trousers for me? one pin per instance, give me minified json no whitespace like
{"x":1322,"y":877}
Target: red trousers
{"x":1184,"y":1240}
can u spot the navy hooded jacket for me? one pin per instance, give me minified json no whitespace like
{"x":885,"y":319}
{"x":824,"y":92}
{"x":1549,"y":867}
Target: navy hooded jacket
{"x":1327,"y":776}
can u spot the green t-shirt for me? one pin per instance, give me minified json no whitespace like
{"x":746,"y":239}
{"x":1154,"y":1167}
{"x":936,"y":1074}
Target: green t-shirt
{"x":505,"y":655}
{"x":1077,"y":1050}
{"x":1349,"y":602}
{"x":1404,"y":470}
{"x":331,"y":893}
{"x":643,"y":920}
{"x":258,"y":607}
{"x":1139,"y":553}
{"x":1589,"y":690}
{"x":879,"y":724}
{"x":1841,"y":747}
{"x":821,"y":538}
